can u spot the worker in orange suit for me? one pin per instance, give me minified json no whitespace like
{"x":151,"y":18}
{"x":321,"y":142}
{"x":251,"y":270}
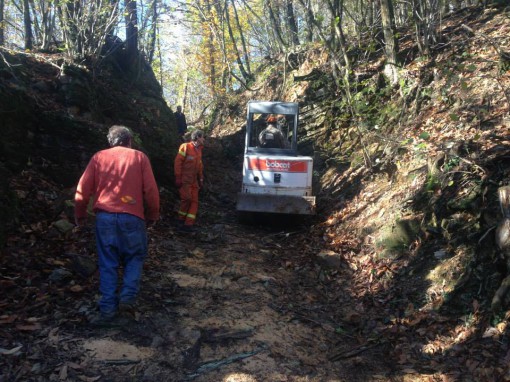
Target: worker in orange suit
{"x":189,"y":178}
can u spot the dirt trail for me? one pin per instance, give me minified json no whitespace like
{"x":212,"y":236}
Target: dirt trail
{"x":230,"y":303}
{"x":234,"y":302}
{"x":235,"y":297}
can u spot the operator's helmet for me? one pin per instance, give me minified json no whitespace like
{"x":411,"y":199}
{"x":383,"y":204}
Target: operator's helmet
{"x":271,"y":119}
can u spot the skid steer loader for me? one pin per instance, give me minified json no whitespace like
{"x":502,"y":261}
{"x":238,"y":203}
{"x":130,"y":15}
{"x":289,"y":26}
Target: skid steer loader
{"x":276,"y":179}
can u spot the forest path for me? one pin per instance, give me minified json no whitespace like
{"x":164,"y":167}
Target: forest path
{"x":234,"y":302}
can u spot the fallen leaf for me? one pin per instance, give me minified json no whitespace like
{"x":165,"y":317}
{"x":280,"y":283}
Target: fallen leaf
{"x":29,"y":328}
{"x":8,"y":319}
{"x":198,"y":252}
{"x":63,"y":373}
{"x":88,"y":379}
{"x":7,"y":283}
{"x":74,"y":366}
{"x":76,"y":288}
{"x":10,"y":351}
{"x":490,"y":332}
{"x":53,"y":336}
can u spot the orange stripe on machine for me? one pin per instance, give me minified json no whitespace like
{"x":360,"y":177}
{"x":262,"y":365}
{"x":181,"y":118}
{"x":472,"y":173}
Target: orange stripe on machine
{"x":277,"y":165}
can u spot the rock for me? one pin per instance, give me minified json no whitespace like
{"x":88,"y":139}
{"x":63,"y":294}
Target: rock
{"x":330,"y":259}
{"x":63,"y":226}
{"x":244,"y":281}
{"x":157,"y":341}
{"x":85,"y":266}
{"x":503,"y":236}
{"x":60,"y":275}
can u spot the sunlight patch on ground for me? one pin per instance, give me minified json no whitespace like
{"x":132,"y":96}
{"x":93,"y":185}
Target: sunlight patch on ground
{"x":243,"y":377}
{"x":239,"y":377}
{"x":449,"y":273}
{"x":106,"y":349}
{"x":186,"y":281}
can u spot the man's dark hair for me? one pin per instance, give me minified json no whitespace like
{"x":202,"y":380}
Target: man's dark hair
{"x":119,"y":135}
{"x":196,"y":134}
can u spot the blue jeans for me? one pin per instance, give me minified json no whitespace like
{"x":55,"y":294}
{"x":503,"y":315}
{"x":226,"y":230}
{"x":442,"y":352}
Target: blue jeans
{"x":121,"y":239}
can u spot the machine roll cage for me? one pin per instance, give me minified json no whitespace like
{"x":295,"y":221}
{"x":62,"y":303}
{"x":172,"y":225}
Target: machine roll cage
{"x":288,"y":109}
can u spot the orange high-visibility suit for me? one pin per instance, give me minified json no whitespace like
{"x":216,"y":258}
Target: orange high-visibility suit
{"x":188,"y":170}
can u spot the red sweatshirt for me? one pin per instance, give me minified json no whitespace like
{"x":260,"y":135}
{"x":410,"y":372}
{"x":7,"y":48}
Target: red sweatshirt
{"x":121,"y":180}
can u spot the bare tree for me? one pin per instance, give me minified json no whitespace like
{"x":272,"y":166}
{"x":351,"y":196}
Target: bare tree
{"x":338,"y":41}
{"x":243,"y":40}
{"x":86,"y":25}
{"x":276,"y":27}
{"x":69,"y":14}
{"x":44,"y":18}
{"x":309,"y":20}
{"x":244,"y":70}
{"x":27,"y":23}
{"x":131,"y":19}
{"x":153,"y":32}
{"x":427,"y":14}
{"x":390,"y":41}
{"x":2,"y":28}
{"x":292,"y":23}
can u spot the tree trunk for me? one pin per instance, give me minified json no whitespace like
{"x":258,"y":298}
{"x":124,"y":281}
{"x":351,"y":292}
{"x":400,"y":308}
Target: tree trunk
{"x":68,"y":14}
{"x":160,"y":55}
{"x":131,"y":19}
{"x":291,"y":20}
{"x":211,"y":50}
{"x":391,"y":44}
{"x":2,"y":34}
{"x":276,"y":27}
{"x":185,"y":91}
{"x":336,"y":9}
{"x":47,"y":25}
{"x":242,"y":69}
{"x":427,"y":17}
{"x":154,"y":23}
{"x":243,"y":41}
{"x":36,"y":27}
{"x":309,"y":21}
{"x":27,"y":23}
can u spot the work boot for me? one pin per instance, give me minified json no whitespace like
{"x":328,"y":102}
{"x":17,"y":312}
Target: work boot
{"x":127,"y":308}
{"x":103,"y":320}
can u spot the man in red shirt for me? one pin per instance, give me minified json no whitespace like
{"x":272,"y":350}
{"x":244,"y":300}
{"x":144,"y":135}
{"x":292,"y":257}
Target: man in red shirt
{"x":189,"y":178}
{"x":120,"y":179}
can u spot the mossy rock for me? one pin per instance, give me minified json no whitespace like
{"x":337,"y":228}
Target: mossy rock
{"x":397,"y":238}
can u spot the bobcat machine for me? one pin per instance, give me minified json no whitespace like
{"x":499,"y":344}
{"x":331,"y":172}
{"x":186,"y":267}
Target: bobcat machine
{"x":275,"y":179}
